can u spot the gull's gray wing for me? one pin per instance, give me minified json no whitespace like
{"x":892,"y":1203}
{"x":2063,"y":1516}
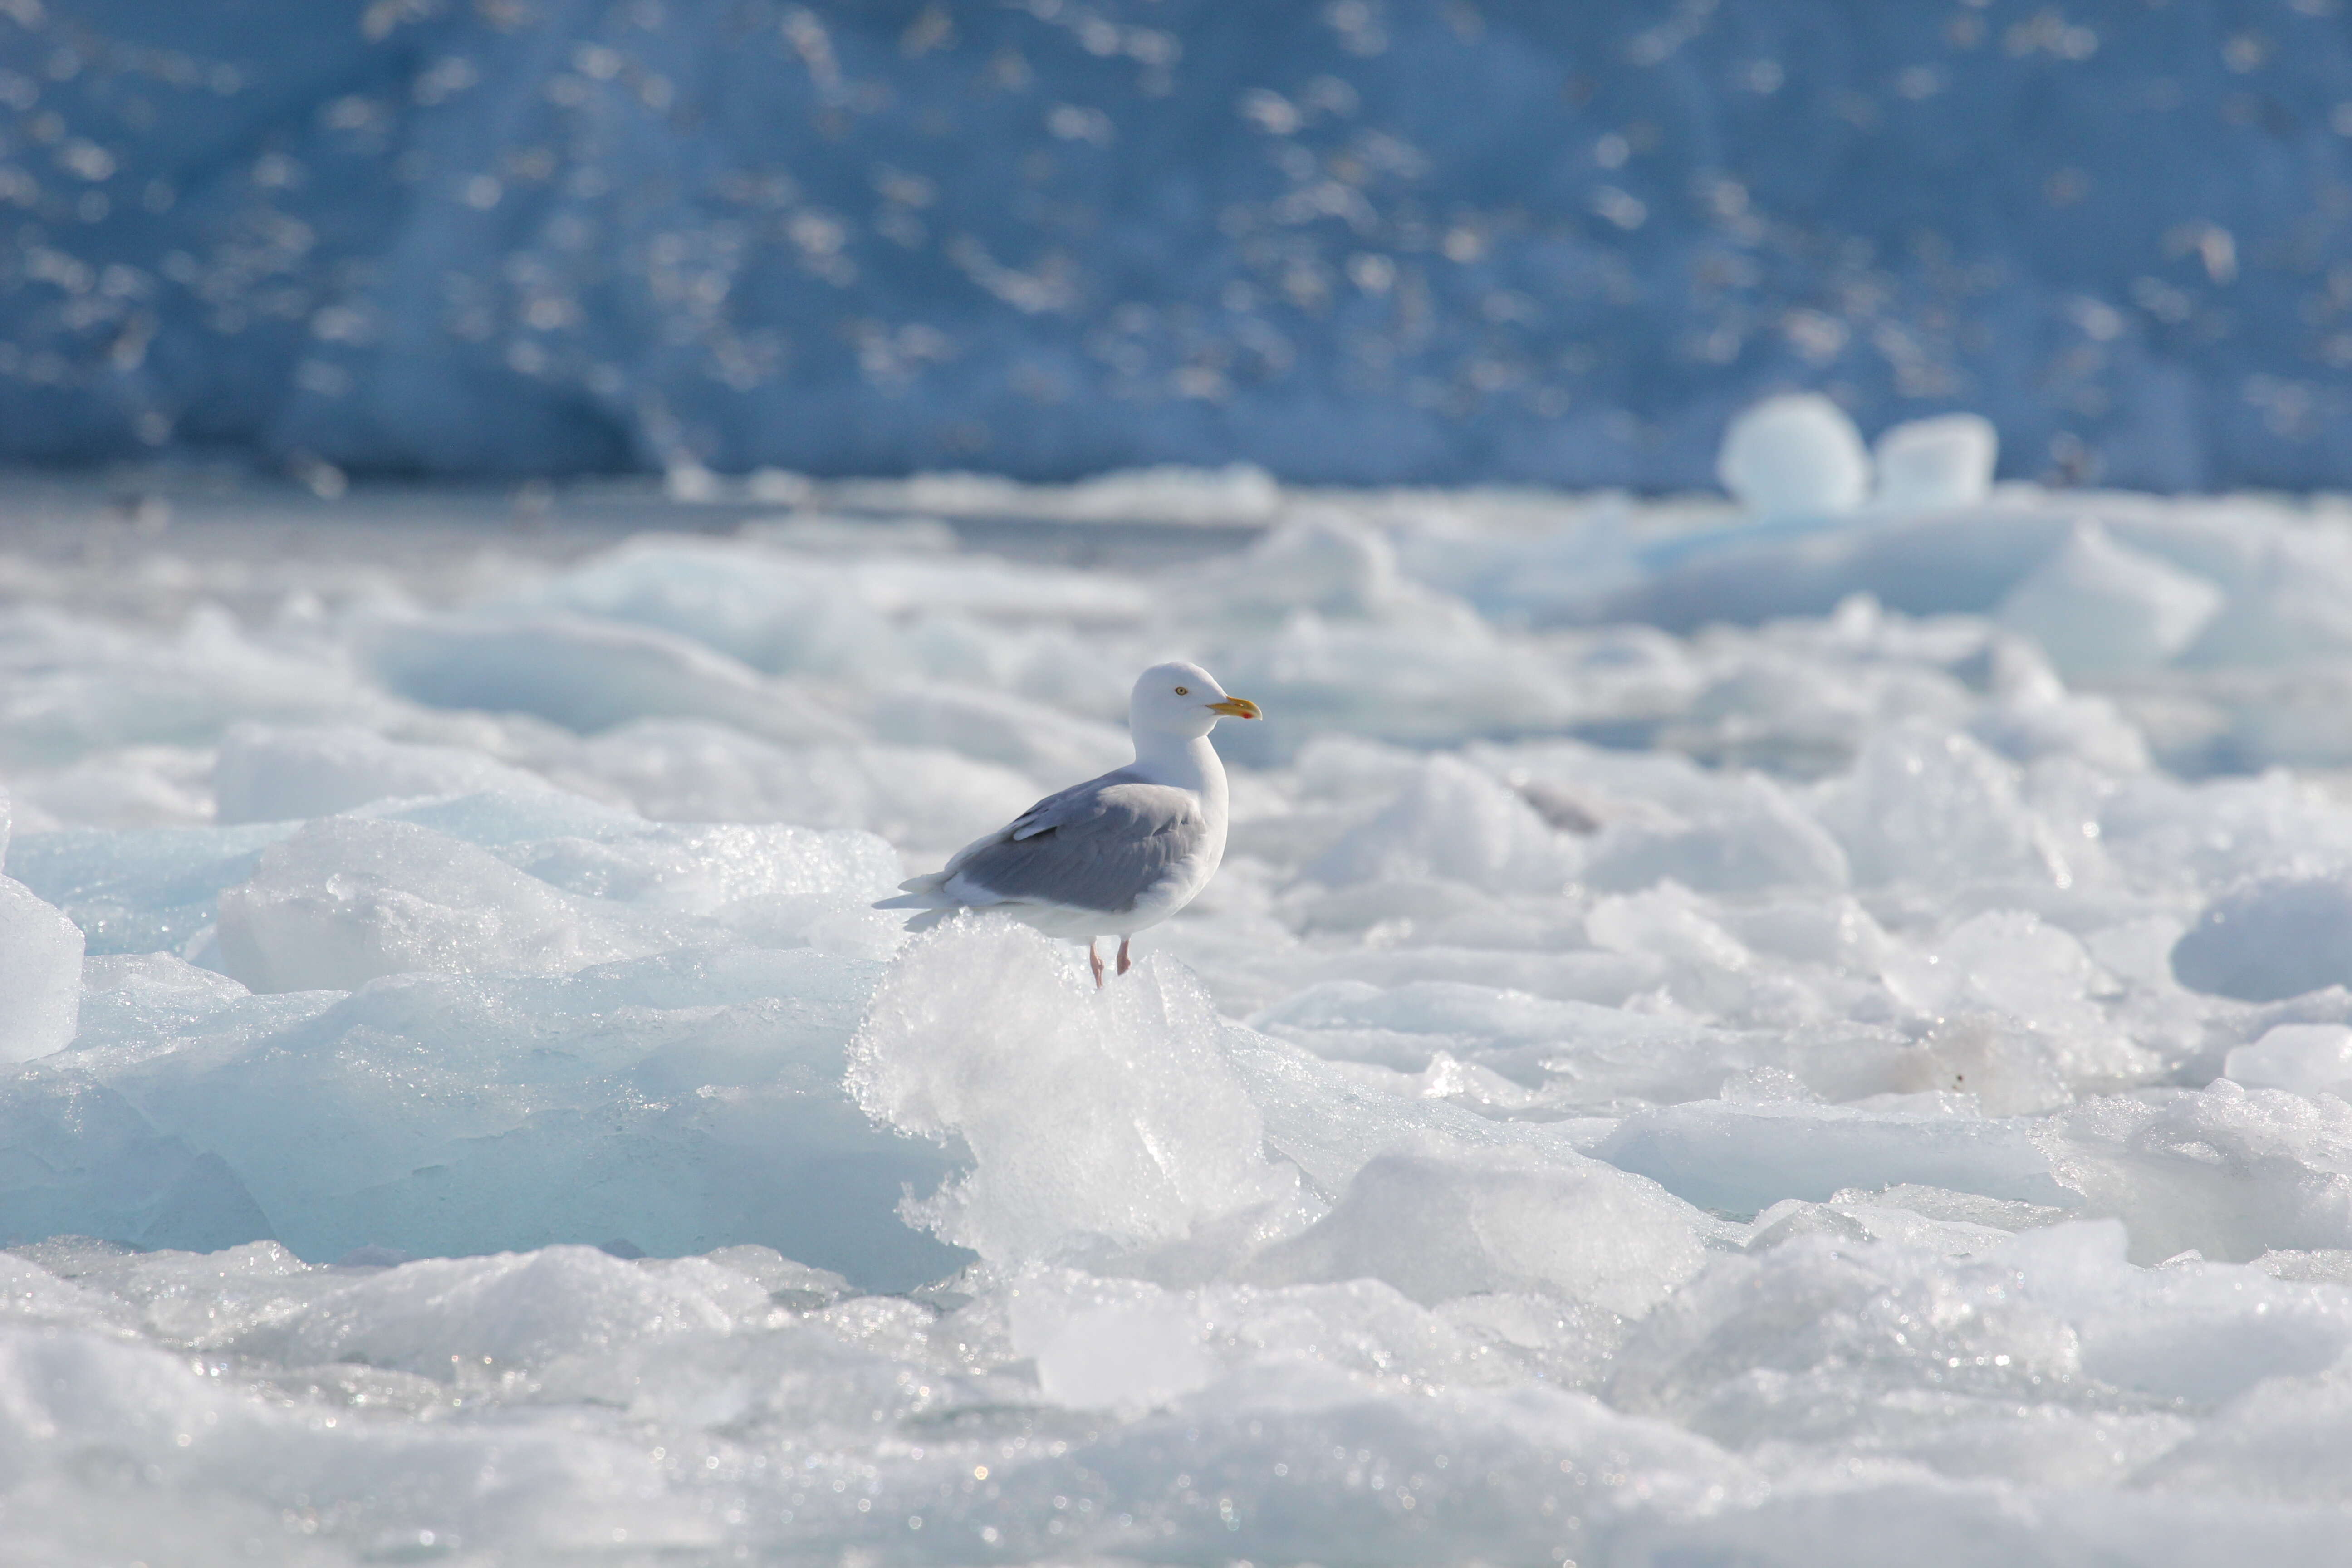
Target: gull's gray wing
{"x":1099,"y":845}
{"x":1050,"y":812}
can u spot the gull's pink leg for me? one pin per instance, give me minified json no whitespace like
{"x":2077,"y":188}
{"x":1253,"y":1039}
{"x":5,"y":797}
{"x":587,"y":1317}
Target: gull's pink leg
{"x":1095,"y":959}
{"x":1123,"y":965}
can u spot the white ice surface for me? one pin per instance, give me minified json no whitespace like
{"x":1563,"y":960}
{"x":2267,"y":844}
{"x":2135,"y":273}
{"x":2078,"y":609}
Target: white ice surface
{"x":1798,"y":1036}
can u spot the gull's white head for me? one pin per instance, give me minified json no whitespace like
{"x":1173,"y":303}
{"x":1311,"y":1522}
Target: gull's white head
{"x":1181,"y":699}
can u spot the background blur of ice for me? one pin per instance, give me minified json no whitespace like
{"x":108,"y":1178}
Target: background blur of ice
{"x":1727,"y":1031}
{"x":1369,"y":241}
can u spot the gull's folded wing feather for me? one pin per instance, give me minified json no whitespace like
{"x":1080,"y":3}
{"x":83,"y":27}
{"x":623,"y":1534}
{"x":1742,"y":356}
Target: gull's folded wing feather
{"x":928,"y":890}
{"x":1100,"y":846}
{"x":1061,"y":807}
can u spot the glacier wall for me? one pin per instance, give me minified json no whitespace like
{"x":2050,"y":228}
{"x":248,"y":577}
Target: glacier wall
{"x":1371,"y":241}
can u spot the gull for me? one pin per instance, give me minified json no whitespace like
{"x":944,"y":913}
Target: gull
{"x":1115,"y":854}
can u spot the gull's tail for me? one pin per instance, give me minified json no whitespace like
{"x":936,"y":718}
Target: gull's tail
{"x":924,"y":893}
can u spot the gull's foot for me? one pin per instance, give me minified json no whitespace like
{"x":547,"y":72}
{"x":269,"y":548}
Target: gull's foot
{"x":1123,"y":965}
{"x":1095,"y":959}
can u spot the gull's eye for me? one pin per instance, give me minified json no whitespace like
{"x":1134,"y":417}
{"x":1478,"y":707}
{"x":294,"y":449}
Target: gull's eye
{"x":1184,"y":691}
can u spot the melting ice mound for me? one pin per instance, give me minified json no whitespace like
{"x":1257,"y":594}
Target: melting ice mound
{"x":1093,"y":1117}
{"x":1804,"y":1033}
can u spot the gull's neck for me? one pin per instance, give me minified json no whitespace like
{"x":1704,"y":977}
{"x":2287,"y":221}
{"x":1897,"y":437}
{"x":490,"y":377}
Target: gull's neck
{"x":1187,"y":762}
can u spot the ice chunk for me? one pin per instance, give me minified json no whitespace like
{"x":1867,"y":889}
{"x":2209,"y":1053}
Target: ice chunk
{"x":1932,"y":806}
{"x":666,"y":1101}
{"x":1742,"y":1158}
{"x":1705,"y":961}
{"x":2309,"y":1058}
{"x":1455,"y":821}
{"x":127,"y":996}
{"x":94,"y":1165}
{"x":1117,"y":1342}
{"x":2279,"y":1442}
{"x":1922,"y":565}
{"x":2013,"y":966}
{"x":1835,"y":931}
{"x":1165,"y":493}
{"x":2031,"y":722}
{"x":142,"y":891}
{"x":31,"y":1294}
{"x":2228,"y":1172}
{"x":787,"y":1282}
{"x":859,"y":610}
{"x":1794,"y":456}
{"x":2210,"y":837}
{"x":718,"y":870}
{"x":1853,"y":1215}
{"x":1002,"y":728}
{"x":1331,"y":1120}
{"x":1440,"y":1224}
{"x":225,"y":1464}
{"x":1943,"y":462}
{"x":40,"y":974}
{"x":515,"y":1313}
{"x":1092,"y":1116}
{"x":1321,"y":560}
{"x":120,"y":786}
{"x":1422,"y":681}
{"x":198,"y":1301}
{"x":921,"y":798}
{"x":515,"y":824}
{"x":265,"y":775}
{"x":2272,"y":938}
{"x":1583,"y":1055}
{"x":347,"y":900}
{"x":2098,"y":607}
{"x":772,"y":610}
{"x":1142,"y":1352}
{"x":1759,"y":839}
{"x":590,"y":674}
{"x":40,"y":967}
{"x":2293,"y":604}
{"x":80,"y":684}
{"x":1838,"y":1337}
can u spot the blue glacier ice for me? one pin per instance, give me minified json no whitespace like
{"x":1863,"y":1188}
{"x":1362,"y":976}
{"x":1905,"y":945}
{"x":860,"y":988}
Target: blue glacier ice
{"x":1371,"y":241}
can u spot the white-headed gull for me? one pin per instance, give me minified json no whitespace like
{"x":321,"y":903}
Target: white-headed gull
{"x":1115,"y":854}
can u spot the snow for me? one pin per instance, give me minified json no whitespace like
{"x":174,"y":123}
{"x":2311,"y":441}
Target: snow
{"x":1721,"y":1035}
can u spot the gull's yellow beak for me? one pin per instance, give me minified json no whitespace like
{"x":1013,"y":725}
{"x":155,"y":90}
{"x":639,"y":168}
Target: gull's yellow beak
{"x":1236,"y":708}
